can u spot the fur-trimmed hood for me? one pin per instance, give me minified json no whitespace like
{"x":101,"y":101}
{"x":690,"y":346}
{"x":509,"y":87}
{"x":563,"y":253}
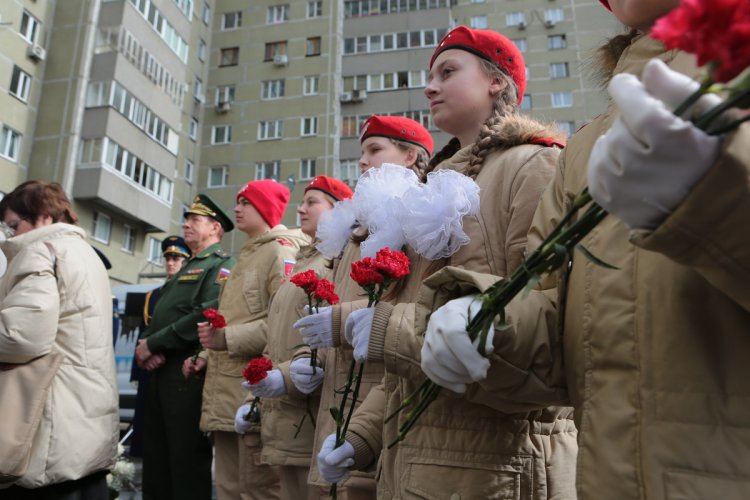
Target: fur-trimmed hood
{"x":521,"y":129}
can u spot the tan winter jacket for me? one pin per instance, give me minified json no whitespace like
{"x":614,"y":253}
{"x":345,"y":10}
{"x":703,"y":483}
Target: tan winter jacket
{"x":280,"y":416}
{"x":59,"y":300}
{"x":263,"y":263}
{"x":653,"y":355}
{"x":462,"y":446}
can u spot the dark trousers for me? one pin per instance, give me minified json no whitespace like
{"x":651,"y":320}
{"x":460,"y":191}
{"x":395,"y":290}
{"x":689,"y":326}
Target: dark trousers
{"x":177,"y":455}
{"x":93,"y":487}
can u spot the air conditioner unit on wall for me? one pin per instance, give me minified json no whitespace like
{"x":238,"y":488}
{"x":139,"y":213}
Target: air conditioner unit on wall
{"x":36,"y":52}
{"x":521,"y":25}
{"x":346,"y":97}
{"x":280,"y":60}
{"x":223,"y":106}
{"x":549,"y":24}
{"x":359,"y":95}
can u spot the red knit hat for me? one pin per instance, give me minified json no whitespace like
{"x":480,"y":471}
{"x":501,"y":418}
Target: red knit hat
{"x":268,"y":197}
{"x":606,"y":4}
{"x":491,"y":46}
{"x":332,"y":187}
{"x":397,"y":127}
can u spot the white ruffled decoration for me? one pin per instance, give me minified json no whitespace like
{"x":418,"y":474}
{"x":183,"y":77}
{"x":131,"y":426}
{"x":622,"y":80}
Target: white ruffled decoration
{"x":377,"y":201}
{"x":335,"y":228}
{"x":432,"y":217}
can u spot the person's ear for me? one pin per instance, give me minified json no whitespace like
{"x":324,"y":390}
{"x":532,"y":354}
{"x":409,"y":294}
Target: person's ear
{"x":411,"y":156}
{"x":497,"y":85}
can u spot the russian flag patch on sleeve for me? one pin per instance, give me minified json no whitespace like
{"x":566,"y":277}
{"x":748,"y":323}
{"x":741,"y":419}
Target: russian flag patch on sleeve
{"x":224,"y":274}
{"x":288,"y":267}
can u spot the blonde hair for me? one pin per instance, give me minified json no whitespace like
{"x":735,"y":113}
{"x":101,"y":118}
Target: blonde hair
{"x":422,"y":161}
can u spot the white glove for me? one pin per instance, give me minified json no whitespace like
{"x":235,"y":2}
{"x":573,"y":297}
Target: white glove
{"x":449,"y":358}
{"x":303,"y":377}
{"x":270,"y":387}
{"x":315,"y":329}
{"x":334,"y":463}
{"x":650,"y":159}
{"x":357,"y":331}
{"x":241,"y":425}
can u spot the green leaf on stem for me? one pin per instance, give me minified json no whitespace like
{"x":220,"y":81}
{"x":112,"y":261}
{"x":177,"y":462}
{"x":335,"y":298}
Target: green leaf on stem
{"x":334,"y":413}
{"x":534,"y":279}
{"x":593,"y":258}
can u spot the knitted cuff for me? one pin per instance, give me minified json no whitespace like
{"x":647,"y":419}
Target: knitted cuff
{"x":376,"y":347}
{"x":364,"y":458}
{"x":336,"y":325}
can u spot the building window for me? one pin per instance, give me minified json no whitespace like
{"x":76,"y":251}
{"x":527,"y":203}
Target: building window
{"x":154,"y":251}
{"x":478,"y":1}
{"x":221,"y":134}
{"x":562,"y":99}
{"x":309,"y":126}
{"x":277,"y":14}
{"x":270,"y":130}
{"x":201,"y":50}
{"x":515,"y":19}
{"x":306,"y":169}
{"x":568,"y":128}
{"x":555,"y":42}
{"x":102,"y":227}
{"x":186,"y":6}
{"x":313,"y":46}
{"x":311,"y":85}
{"x":349,"y":171}
{"x":128,"y":239}
{"x":206,"y":16}
{"x":20,"y":84}
{"x":189,"y":169}
{"x":274,"y":49}
{"x":231,"y":20}
{"x":559,"y":70}
{"x":218,"y":176}
{"x":272,"y":89}
{"x":526,"y":103}
{"x":229,"y":56}
{"x":224,"y":93}
{"x":479,"y":22}
{"x":198,"y":90}
{"x":521,"y":43}
{"x":10,"y":143}
{"x":267,"y":170}
{"x":554,"y":16}
{"x":193,"y":130}
{"x":314,"y":9}
{"x":29,"y":27}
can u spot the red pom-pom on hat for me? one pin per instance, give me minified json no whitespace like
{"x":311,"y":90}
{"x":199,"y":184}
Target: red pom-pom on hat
{"x":334,"y":188}
{"x":491,"y":46}
{"x":397,"y":127}
{"x":268,"y":197}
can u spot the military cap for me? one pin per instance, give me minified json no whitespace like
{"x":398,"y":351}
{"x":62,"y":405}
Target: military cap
{"x":175,"y":245}
{"x":204,"y":205}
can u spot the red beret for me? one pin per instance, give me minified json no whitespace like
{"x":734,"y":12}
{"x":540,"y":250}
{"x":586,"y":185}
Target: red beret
{"x":397,"y":127}
{"x":268,"y":197}
{"x":606,"y":4}
{"x":491,"y":46}
{"x":334,"y":188}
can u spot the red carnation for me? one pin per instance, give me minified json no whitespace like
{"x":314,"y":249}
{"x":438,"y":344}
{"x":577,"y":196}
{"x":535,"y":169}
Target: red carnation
{"x":394,"y":264}
{"x":715,"y":32}
{"x":215,"y":318}
{"x":365,"y":273}
{"x":324,"y":290}
{"x":306,"y":280}
{"x":257,"y":369}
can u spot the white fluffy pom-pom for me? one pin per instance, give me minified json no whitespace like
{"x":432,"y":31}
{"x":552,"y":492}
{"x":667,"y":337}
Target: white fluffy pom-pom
{"x":432,"y":217}
{"x":335,"y":228}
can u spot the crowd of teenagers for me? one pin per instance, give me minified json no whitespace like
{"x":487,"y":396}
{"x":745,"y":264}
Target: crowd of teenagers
{"x":620,"y":375}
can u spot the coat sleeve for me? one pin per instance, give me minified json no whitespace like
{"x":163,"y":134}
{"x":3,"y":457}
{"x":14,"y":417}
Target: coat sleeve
{"x":250,"y":339}
{"x":708,"y":230}
{"x":366,"y":429}
{"x":183,"y":333}
{"x":30,"y":311}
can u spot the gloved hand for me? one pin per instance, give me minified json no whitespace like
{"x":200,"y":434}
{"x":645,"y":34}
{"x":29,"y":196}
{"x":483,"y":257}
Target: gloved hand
{"x":650,"y":159}
{"x":315,"y":329}
{"x":241,"y":425}
{"x":357,"y":331}
{"x":270,"y":387}
{"x":303,"y":377}
{"x":449,"y":358}
{"x":334,"y":463}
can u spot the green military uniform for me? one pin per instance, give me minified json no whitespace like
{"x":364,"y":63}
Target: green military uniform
{"x":177,"y":455}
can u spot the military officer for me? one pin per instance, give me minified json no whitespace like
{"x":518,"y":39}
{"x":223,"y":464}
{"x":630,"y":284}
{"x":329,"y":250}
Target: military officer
{"x":177,"y":456}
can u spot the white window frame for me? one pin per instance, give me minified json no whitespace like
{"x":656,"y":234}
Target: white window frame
{"x":223,"y":172}
{"x":554,"y":16}
{"x":515,"y":18}
{"x":261,"y":170}
{"x":521,"y":43}
{"x":557,"y":42}
{"x":231,"y":20}
{"x":129,"y":237}
{"x":198,"y":89}
{"x":270,"y":130}
{"x":189,"y":171}
{"x":30,"y":32}
{"x":10,"y":143}
{"x":106,"y":220}
{"x":307,"y":168}
{"x":201,"y":52}
{"x":272,"y":89}
{"x":526,"y":103}
{"x":566,"y":127}
{"x":277,"y":14}
{"x":224,"y":93}
{"x":558,"y":70}
{"x":314,"y":9}
{"x":154,"y":251}
{"x":221,"y":134}
{"x":308,"y":126}
{"x":193,"y":128}
{"x":478,"y":22}
{"x":23,"y":84}
{"x":311,"y":85}
{"x":561,"y":99}
{"x":206,"y":14}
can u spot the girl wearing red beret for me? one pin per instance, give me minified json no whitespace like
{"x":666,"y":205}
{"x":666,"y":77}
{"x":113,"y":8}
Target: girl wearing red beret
{"x":466,"y":445}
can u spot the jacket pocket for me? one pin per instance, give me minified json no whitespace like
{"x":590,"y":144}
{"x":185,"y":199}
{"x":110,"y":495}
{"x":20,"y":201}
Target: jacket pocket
{"x":692,"y":485}
{"x":444,"y":479}
{"x":252,"y":291}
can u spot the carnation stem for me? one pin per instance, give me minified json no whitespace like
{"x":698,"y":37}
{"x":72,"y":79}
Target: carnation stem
{"x":731,"y":126}
{"x":693,"y":98}
{"x":705,"y":120}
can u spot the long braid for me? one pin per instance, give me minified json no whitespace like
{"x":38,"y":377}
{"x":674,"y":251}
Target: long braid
{"x":448,"y":150}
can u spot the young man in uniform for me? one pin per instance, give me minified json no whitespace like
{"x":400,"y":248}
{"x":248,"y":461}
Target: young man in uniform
{"x":177,"y":455}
